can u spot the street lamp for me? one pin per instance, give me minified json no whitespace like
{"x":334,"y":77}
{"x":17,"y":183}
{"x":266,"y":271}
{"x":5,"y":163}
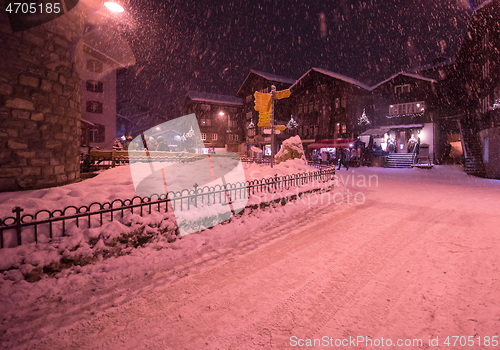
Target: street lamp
{"x":114,"y":6}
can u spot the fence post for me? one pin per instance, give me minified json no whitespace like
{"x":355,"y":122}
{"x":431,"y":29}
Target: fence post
{"x":17,"y":211}
{"x":195,"y":195}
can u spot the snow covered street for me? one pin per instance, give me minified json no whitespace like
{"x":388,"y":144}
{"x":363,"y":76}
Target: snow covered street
{"x":410,"y":257}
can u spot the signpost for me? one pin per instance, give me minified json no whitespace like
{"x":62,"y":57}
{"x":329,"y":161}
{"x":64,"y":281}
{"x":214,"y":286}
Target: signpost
{"x":264,"y":104}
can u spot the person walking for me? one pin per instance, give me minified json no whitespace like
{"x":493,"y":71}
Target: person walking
{"x":342,"y":160}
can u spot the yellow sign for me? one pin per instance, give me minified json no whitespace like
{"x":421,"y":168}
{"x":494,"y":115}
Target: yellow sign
{"x":282,"y":94}
{"x":264,"y":105}
{"x":280,"y":127}
{"x":263,"y":102}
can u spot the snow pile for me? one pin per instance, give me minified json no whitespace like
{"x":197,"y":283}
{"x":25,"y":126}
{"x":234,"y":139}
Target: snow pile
{"x":83,"y":245}
{"x":292,"y":149}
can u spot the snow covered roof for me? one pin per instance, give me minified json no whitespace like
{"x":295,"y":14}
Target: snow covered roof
{"x":273,"y":77}
{"x":214,"y":98}
{"x":446,"y":62}
{"x":334,"y":75}
{"x":269,"y":76}
{"x":412,"y":75}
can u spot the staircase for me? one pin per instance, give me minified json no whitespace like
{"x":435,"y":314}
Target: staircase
{"x":399,"y":160}
{"x":473,"y":151}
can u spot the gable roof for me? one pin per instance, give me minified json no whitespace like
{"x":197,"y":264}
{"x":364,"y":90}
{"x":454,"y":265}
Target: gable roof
{"x":214,"y":98}
{"x":411,"y":75}
{"x":333,"y":75}
{"x":268,"y":76}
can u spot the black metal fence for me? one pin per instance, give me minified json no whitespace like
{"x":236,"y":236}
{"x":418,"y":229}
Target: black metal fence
{"x":54,"y":223}
{"x":106,"y":160}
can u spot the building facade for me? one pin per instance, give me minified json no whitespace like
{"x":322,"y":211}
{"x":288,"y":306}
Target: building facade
{"x":327,"y":105}
{"x":219,"y":118}
{"x":98,"y":106}
{"x":404,"y":113}
{"x":476,"y":91}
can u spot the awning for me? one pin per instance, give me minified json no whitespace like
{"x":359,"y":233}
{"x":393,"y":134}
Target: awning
{"x":381,"y":131}
{"x":378,"y":132}
{"x":336,"y":143}
{"x":256,"y":149}
{"x":87,"y":122}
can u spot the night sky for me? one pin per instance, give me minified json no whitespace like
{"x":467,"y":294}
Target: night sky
{"x":211,"y":46}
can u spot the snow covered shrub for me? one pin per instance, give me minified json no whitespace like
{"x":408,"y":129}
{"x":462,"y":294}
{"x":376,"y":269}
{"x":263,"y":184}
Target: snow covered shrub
{"x":292,"y":149}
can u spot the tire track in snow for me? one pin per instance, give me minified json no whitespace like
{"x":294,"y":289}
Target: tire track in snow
{"x":310,"y":305}
{"x":110,"y":299}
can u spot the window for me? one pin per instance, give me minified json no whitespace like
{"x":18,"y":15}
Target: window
{"x":407,"y":108}
{"x":233,"y":124}
{"x":94,"y":107}
{"x":337,"y":102}
{"x":311,"y":107}
{"x":214,"y":137}
{"x":94,"y":86}
{"x":300,"y":108}
{"x":486,"y":69}
{"x":205,"y":107}
{"x":233,"y":137}
{"x":485,"y":40}
{"x":316,"y":106}
{"x":249,"y":115}
{"x":485,"y":104}
{"x":205,"y":122}
{"x":203,"y":136}
{"x":398,"y":89}
{"x":96,"y":133}
{"x":94,"y":66}
{"x":251,"y":132}
{"x":343,"y":102}
{"x":344,"y":128}
{"x":249,"y":98}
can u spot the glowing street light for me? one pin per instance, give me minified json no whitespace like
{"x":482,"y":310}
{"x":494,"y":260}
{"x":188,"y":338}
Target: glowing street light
{"x":221,"y":113}
{"x":114,"y":7}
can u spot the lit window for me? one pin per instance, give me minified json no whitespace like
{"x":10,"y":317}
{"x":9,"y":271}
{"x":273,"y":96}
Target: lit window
{"x":203,"y":136}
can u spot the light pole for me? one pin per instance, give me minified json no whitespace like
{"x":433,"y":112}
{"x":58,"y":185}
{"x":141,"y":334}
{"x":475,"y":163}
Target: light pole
{"x":273,"y":91}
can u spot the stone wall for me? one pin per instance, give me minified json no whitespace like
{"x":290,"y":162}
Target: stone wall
{"x":39,"y":104}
